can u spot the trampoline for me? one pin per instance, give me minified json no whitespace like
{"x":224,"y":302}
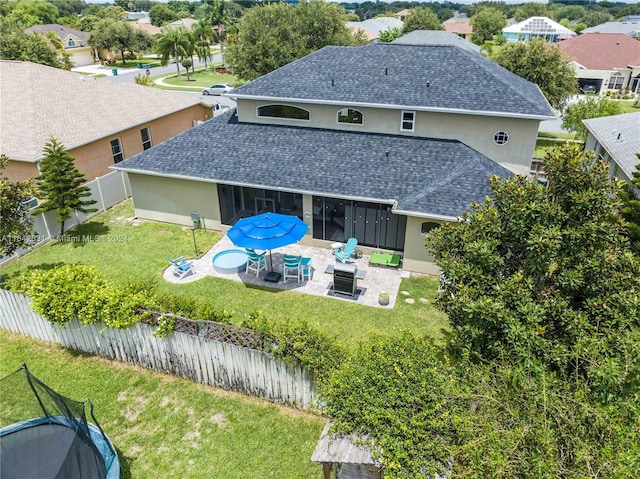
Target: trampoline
{"x":60,"y":443}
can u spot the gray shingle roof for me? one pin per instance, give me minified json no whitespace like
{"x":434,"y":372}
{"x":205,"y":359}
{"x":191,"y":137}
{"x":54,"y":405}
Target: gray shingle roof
{"x":425,"y":176}
{"x":620,"y":135}
{"x":436,"y":37}
{"x":62,"y":31}
{"x":457,"y":79}
{"x":38,"y":102}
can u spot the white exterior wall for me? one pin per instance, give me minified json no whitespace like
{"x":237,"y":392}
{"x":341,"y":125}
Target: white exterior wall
{"x":474,"y":131}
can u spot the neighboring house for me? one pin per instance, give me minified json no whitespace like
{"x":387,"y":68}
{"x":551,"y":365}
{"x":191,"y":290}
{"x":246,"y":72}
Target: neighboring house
{"x":436,"y":37}
{"x":459,"y":25}
{"x":99,"y":122}
{"x":616,"y":140}
{"x":403,"y":14}
{"x":141,"y":17}
{"x":537,"y":27}
{"x":374,"y":27}
{"x":146,"y":27}
{"x":630,"y":28}
{"x":76,"y":43}
{"x":605,"y":61}
{"x":381,"y":143}
{"x":187,"y":23}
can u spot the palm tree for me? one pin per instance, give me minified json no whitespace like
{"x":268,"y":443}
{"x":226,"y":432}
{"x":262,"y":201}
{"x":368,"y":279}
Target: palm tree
{"x":173,"y":43}
{"x":203,"y":34}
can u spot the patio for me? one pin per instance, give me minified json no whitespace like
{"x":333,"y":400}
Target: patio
{"x":377,"y":279}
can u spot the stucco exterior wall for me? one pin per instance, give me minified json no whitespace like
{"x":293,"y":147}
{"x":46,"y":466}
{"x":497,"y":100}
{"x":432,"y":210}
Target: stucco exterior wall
{"x":172,"y":200}
{"x":94,"y":159}
{"x":416,"y":257}
{"x":472,"y":130}
{"x":20,"y":170}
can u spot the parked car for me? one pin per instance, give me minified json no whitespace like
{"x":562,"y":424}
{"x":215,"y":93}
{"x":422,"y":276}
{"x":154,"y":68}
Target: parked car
{"x":217,"y":89}
{"x":588,"y":89}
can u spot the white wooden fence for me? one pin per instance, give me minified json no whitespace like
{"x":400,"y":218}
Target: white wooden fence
{"x":209,"y":362}
{"x":107,"y":190}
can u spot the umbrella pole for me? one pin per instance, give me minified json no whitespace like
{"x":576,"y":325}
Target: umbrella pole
{"x":271,"y":259}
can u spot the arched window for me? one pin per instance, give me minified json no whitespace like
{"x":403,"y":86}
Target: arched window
{"x":501,"y":138}
{"x":428,"y":226}
{"x":71,"y":43}
{"x":349,"y":115}
{"x":283,"y":111}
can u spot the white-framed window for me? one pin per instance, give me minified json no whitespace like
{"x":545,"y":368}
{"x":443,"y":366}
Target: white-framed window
{"x":501,"y":137}
{"x":408,"y":121}
{"x":116,"y":150}
{"x":349,"y":115}
{"x":71,"y":43}
{"x":616,"y":80}
{"x":283,"y":111}
{"x":145,"y":133}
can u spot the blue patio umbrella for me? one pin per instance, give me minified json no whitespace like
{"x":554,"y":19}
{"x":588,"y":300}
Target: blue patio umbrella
{"x":267,"y":231}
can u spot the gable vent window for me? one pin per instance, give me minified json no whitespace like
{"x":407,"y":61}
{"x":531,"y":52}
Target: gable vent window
{"x":116,"y":150}
{"x":408,"y":121}
{"x":348,"y":115}
{"x":146,"y":138}
{"x":501,"y":138}
{"x":283,"y":111}
{"x":71,"y":43}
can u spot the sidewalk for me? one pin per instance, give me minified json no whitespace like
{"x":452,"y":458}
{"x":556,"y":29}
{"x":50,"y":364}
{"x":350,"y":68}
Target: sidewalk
{"x":106,"y":70}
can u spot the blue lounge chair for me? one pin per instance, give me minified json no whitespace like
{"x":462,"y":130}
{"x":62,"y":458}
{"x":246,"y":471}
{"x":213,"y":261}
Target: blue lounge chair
{"x":343,"y":255}
{"x":255,"y":262}
{"x":181,"y":268}
{"x":305,"y":269}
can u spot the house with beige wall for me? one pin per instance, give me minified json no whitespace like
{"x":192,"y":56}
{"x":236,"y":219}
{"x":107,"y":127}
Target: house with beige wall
{"x":381,"y":143}
{"x":99,"y":122}
{"x":76,"y":42}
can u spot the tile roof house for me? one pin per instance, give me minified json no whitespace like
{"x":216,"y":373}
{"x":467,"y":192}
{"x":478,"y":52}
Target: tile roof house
{"x":616,"y":140}
{"x":373,"y":27}
{"x":605,"y":60}
{"x":99,"y":122}
{"x":459,"y":25}
{"x":76,"y":42}
{"x":537,"y":27}
{"x":380,"y":143}
{"x":630,"y":28}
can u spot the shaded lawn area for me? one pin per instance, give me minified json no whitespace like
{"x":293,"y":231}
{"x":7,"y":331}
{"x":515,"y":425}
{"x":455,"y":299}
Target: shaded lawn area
{"x":126,"y":250}
{"x":163,"y":426}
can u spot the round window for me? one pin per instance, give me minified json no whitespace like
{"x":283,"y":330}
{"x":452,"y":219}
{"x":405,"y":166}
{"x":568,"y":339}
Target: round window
{"x":501,"y":138}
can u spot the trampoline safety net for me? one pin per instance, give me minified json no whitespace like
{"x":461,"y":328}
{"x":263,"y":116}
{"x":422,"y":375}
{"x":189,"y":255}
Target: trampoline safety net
{"x":45,"y":435}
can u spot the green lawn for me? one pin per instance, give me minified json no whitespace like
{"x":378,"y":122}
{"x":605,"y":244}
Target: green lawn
{"x":163,"y":426}
{"x":201,"y":78}
{"x":627,"y":106}
{"x":141,"y":251}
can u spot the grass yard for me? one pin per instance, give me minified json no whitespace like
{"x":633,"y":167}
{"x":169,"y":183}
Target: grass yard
{"x":163,"y":426}
{"x":627,"y":106}
{"x":129,"y":250}
{"x":201,"y":78}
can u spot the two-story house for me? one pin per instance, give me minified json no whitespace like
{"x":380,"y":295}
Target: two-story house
{"x":381,"y":142}
{"x":75,"y":42}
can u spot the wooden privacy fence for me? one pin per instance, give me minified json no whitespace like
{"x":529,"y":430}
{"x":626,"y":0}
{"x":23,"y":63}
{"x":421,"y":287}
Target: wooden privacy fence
{"x":206,"y":361}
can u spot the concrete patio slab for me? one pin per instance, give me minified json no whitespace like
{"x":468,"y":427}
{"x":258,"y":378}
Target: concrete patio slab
{"x":377,"y":279}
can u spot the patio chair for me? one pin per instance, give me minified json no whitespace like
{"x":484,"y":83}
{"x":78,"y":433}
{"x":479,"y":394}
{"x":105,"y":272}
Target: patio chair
{"x":256,"y":262}
{"x":305,"y":269}
{"x":181,"y":268}
{"x":291,"y":267}
{"x":343,"y":255}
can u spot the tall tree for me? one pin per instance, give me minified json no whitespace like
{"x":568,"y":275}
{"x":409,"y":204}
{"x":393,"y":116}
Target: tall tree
{"x":545,"y":275}
{"x":60,"y":185}
{"x":592,"y":106}
{"x":203,"y":34}
{"x":160,"y":15}
{"x":487,"y":23}
{"x":16,"y":224}
{"x":27,"y":13}
{"x":529,"y":10}
{"x":172,"y":44}
{"x":421,"y":18}
{"x":115,"y":35}
{"x":270,"y":36}
{"x":15,"y":44}
{"x":543,"y":64}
